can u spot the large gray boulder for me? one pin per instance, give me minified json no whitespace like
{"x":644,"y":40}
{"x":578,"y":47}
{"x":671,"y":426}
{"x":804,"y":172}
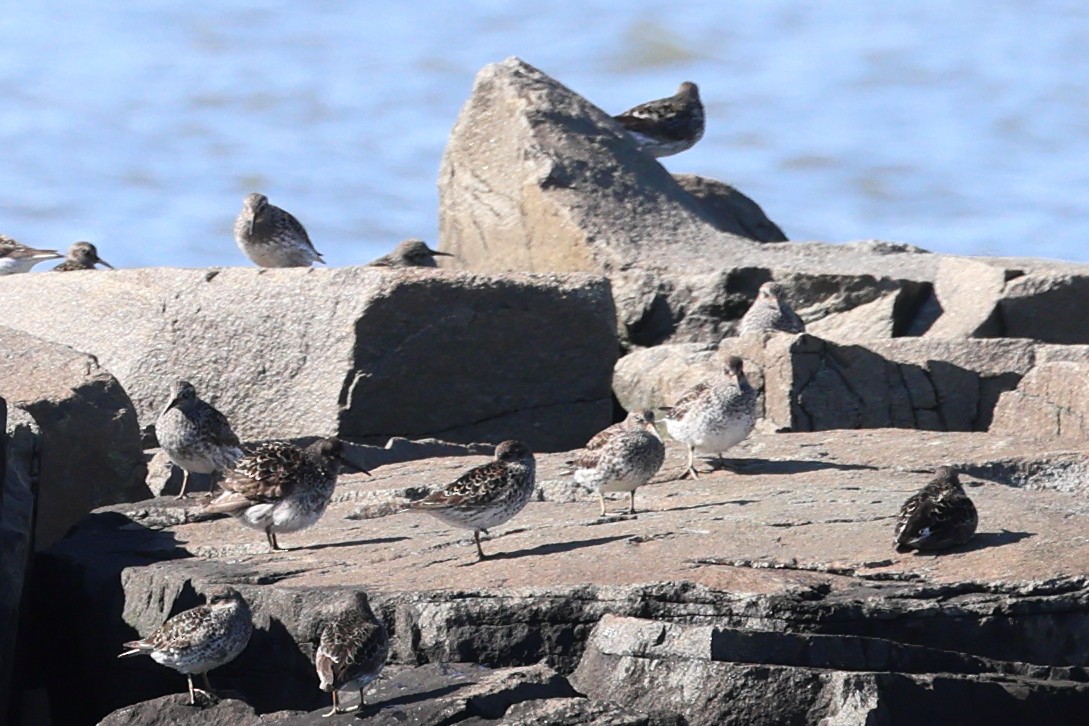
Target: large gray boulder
{"x":810,"y":384}
{"x":90,"y":443}
{"x":537,"y":178}
{"x":358,"y":352}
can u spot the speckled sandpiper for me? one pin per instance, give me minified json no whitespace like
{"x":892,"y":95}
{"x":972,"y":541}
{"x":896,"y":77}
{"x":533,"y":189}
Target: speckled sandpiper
{"x":201,"y":639}
{"x":770,"y":311}
{"x":621,"y":458}
{"x":487,"y":495}
{"x":195,"y":435}
{"x":666,"y":126}
{"x":272,"y":237}
{"x":410,"y":253}
{"x":17,"y":258}
{"x":280,"y":487}
{"x":352,"y":652}
{"x":712,"y":418}
{"x":81,"y":256}
{"x":938,"y":517}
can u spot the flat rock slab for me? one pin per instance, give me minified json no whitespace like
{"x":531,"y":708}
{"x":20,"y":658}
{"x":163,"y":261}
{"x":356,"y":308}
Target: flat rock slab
{"x":797,"y":537}
{"x":357,"y":352}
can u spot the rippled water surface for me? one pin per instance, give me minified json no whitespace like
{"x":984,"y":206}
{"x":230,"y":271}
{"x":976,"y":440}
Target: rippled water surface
{"x":140,"y":125}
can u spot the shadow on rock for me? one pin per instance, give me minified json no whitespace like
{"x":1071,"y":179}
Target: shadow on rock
{"x":770,"y":466}
{"x":549,"y":549}
{"x":354,"y":543}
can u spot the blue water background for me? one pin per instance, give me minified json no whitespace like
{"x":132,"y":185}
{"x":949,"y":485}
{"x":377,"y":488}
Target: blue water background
{"x":959,"y":127}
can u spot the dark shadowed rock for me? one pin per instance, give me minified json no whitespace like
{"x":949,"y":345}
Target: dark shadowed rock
{"x":795,"y":539}
{"x":728,"y":210}
{"x":90,"y":442}
{"x":713,"y":675}
{"x":175,"y":711}
{"x":363,"y":353}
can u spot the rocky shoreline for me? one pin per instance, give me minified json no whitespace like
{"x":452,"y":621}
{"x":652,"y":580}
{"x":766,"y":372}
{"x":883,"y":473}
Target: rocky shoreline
{"x":593,"y":281}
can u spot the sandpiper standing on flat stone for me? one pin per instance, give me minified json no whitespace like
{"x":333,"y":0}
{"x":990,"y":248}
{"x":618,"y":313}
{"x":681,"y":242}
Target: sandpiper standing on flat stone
{"x":666,"y":126}
{"x":280,"y":487}
{"x":352,"y":652}
{"x":487,"y":495}
{"x":770,"y":311}
{"x":81,"y":256}
{"x":621,"y":458}
{"x":272,"y":237}
{"x":410,"y":253}
{"x":713,"y":418}
{"x":17,"y":258}
{"x":195,"y":435}
{"x":938,"y":517}
{"x":198,"y":640}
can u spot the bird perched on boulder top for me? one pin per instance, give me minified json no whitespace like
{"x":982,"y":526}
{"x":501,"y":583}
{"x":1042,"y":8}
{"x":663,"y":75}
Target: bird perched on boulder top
{"x":621,"y":458}
{"x":272,"y":237}
{"x":81,"y":256}
{"x":198,"y":640}
{"x":280,"y":487}
{"x":487,"y":495}
{"x":712,"y":418}
{"x":770,"y":311}
{"x":195,"y":435}
{"x":352,"y":651}
{"x":16,"y":258}
{"x":666,"y":126}
{"x":939,"y":516}
{"x":410,"y":253}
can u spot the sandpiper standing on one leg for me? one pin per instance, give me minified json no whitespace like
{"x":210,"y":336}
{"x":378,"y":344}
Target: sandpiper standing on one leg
{"x":81,"y":256}
{"x":352,"y":652}
{"x":410,"y":253}
{"x":713,"y":418}
{"x":487,"y":495}
{"x":198,"y":640}
{"x":280,"y":487}
{"x":621,"y":458}
{"x":938,"y":517}
{"x":770,"y":311}
{"x":666,"y":126}
{"x":17,"y":258}
{"x":195,"y":435}
{"x":272,"y":237}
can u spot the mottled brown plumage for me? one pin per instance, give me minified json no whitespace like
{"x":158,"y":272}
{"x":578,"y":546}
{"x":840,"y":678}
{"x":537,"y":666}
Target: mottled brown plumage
{"x":621,"y":458}
{"x":81,"y":256}
{"x":352,"y":652}
{"x":938,"y":517}
{"x":666,"y":126}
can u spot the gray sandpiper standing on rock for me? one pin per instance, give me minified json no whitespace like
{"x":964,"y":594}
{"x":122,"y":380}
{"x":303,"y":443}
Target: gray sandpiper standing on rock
{"x":621,"y":458}
{"x":81,"y":256}
{"x":666,"y":126}
{"x":201,"y":639}
{"x":280,"y":487}
{"x":410,"y":253}
{"x":272,"y":237}
{"x":195,"y":435}
{"x":487,"y":495}
{"x":352,"y":652}
{"x":937,"y":517}
{"x":713,"y":418}
{"x":17,"y":258}
{"x":770,"y":311}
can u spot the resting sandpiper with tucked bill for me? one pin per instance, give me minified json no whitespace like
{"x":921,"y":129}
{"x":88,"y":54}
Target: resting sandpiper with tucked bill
{"x":938,"y":517}
{"x":621,"y":458}
{"x":280,"y":487}
{"x":81,"y":256}
{"x":272,"y":237}
{"x":201,"y":639}
{"x":16,"y":258}
{"x":195,"y":435}
{"x":666,"y":126}
{"x":410,"y":253}
{"x":352,"y":652}
{"x":713,"y":418}
{"x":487,"y":495}
{"x":770,"y":311}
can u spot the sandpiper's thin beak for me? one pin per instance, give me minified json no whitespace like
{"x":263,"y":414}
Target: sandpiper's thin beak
{"x":253,"y":221}
{"x":103,"y":262}
{"x":347,"y":463}
{"x":46,"y":255}
{"x":174,"y":403}
{"x":436,"y":253}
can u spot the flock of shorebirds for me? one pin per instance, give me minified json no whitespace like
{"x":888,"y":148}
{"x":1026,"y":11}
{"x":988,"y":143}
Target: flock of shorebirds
{"x":279,"y":487}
